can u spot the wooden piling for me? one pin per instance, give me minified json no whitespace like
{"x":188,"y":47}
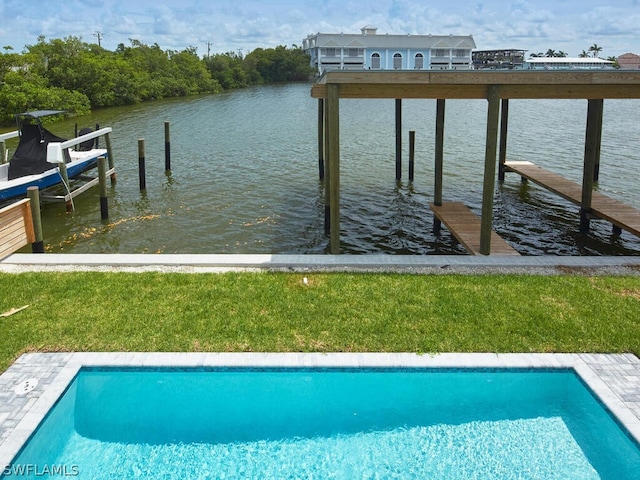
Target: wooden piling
{"x":3,"y":152}
{"x":34,"y":200}
{"x":333,"y":132}
{"x":321,"y":138}
{"x":504,"y":123}
{"x":167,"y":147}
{"x":107,"y":139}
{"x":327,"y":176}
{"x":491,"y":150}
{"x":593,"y":137}
{"x":398,"y":138}
{"x":102,"y":181}
{"x":141,"y":167}
{"x":439,"y":160}
{"x":412,"y":154}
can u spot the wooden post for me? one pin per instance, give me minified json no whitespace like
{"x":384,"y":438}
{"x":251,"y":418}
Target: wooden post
{"x":333,"y":132}
{"x":167,"y":147}
{"x":439,"y":160}
{"x":504,"y":123}
{"x":34,"y":200}
{"x":321,"y":138}
{"x":102,"y":180}
{"x":107,"y":139}
{"x":327,"y":176}
{"x":141,"y":167}
{"x":596,"y":168}
{"x":3,"y":152}
{"x":96,"y":142}
{"x":398,"y":138}
{"x":491,"y":149}
{"x":591,"y":152}
{"x":412,"y":154}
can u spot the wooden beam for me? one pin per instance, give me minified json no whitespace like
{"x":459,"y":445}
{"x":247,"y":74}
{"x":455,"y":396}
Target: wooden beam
{"x":493,"y":114}
{"x":474,"y":84}
{"x":591,"y":151}
{"x":333,"y":132}
{"x":398,"y":139}
{"x":321,"y":138}
{"x":439,"y":160}
{"x":504,"y":127}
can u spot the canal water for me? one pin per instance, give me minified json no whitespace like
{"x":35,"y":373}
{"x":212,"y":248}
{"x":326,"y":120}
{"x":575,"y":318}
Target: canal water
{"x":244,"y":177}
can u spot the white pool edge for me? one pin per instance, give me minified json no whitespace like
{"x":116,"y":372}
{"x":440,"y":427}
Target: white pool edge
{"x":38,"y":403}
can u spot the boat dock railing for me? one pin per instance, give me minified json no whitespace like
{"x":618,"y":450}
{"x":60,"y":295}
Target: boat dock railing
{"x":106,"y":131}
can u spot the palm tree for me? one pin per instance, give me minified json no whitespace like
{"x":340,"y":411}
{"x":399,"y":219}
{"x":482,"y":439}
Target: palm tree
{"x":562,"y":54}
{"x":595,"y":49}
{"x":550,"y":53}
{"x":584,"y":54}
{"x":615,"y":61}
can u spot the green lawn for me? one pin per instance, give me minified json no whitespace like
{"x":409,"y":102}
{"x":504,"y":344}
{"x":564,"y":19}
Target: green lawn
{"x":332,"y":312}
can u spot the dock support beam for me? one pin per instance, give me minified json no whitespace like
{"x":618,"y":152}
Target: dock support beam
{"x":167,"y":147}
{"x":491,"y":149}
{"x":142,"y":175}
{"x":592,"y":142}
{"x":321,"y":138}
{"x":439,"y":161}
{"x":327,"y":176}
{"x":398,"y":139}
{"x":504,"y":127}
{"x":34,"y":201}
{"x":107,"y":139}
{"x":333,"y":132}
{"x":412,"y":155}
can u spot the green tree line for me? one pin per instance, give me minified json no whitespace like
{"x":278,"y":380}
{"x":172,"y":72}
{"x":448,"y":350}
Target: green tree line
{"x":69,"y":74}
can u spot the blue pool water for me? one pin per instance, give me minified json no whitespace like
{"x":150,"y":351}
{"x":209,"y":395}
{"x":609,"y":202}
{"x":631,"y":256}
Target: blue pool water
{"x":331,"y":423}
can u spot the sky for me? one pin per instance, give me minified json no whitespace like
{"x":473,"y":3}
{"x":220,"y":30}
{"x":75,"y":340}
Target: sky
{"x":221,"y":26}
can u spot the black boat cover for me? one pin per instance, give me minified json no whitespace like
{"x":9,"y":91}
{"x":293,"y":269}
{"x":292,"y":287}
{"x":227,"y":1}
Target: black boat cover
{"x":30,"y":157}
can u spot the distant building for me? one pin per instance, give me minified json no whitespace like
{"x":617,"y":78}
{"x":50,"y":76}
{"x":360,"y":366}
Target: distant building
{"x":559,"y":63}
{"x":629,"y":61}
{"x":498,"y":59}
{"x":368,"y":50}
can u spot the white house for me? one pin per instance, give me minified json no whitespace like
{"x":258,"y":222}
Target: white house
{"x":557,"y":63}
{"x":369,"y":50}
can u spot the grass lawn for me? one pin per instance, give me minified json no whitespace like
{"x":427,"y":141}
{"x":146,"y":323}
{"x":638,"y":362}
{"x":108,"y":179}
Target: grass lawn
{"x":332,"y":312}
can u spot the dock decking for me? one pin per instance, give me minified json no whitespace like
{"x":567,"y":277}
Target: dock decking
{"x":619,"y":214}
{"x":465,"y":226}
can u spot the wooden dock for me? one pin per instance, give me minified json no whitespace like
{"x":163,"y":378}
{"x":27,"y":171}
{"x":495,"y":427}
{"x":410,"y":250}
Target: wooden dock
{"x":618,"y":213}
{"x":465,"y":226}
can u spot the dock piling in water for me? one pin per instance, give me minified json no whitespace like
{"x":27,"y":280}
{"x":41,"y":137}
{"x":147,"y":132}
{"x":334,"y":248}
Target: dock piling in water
{"x":34,"y":200}
{"x":102,"y":176}
{"x":141,"y":167}
{"x":167,"y":147}
{"x":412,"y":154}
{"x":398,"y":139}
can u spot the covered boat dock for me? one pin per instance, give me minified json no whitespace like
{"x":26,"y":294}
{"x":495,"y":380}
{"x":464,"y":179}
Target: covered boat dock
{"x":497,"y":87}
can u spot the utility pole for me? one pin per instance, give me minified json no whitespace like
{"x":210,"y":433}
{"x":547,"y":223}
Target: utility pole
{"x":99,"y":35}
{"x":208,"y":49}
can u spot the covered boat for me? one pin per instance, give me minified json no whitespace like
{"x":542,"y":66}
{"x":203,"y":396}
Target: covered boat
{"x":33,"y":164}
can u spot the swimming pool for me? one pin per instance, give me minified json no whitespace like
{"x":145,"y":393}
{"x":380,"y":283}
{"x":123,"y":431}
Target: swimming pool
{"x":331,"y":422}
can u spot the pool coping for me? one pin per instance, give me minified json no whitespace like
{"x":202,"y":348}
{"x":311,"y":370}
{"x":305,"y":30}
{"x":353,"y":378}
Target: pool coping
{"x":614,"y":378}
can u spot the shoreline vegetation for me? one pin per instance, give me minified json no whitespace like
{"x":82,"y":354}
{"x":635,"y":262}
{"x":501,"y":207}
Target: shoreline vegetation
{"x":317,"y":312}
{"x":77,"y":77}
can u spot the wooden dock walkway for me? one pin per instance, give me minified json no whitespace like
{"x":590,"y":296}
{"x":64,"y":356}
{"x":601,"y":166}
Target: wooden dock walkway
{"x":465,"y":226}
{"x":618,"y":213}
